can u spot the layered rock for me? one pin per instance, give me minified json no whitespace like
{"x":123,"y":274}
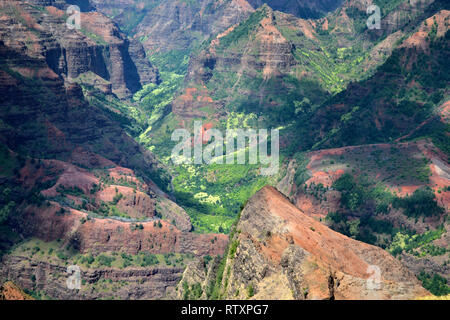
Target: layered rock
{"x":176,"y":24}
{"x":10,"y":291}
{"x":317,"y":197}
{"x":280,"y":253}
{"x":302,"y":9}
{"x":97,"y":47}
{"x":54,"y":121}
{"x":58,"y":122}
{"x":99,"y":235}
{"x":132,"y":283}
{"x":262,"y":54}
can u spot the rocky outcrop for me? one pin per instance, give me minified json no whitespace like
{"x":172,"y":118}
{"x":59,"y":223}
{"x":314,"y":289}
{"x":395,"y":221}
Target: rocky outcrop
{"x":431,"y":265}
{"x":303,"y":9}
{"x":10,"y":291}
{"x":147,"y":73}
{"x":98,"y":47}
{"x":98,"y":235}
{"x":265,"y":51}
{"x":263,"y":54}
{"x":102,"y":283}
{"x":54,"y":120}
{"x":198,"y":279}
{"x":280,"y":253}
{"x":176,"y":24}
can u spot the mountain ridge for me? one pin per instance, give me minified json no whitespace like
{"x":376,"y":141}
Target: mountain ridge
{"x":280,"y":253}
{"x":85,"y":142}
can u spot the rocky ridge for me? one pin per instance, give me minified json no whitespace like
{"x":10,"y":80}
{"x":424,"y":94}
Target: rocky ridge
{"x":98,"y":46}
{"x":278,"y":252}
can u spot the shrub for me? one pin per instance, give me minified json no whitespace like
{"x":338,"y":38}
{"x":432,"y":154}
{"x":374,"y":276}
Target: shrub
{"x":149,"y":259}
{"x":117,"y":198}
{"x":421,"y":203}
{"x":436,"y":284}
{"x":250,"y":291}
{"x":104,"y":260}
{"x":233,"y":248}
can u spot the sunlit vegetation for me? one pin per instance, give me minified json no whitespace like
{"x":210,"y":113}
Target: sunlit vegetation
{"x":244,"y":29}
{"x":417,"y":244}
{"x":213,"y":195}
{"x":193,"y":292}
{"x":58,"y":253}
{"x":370,"y":202}
{"x":154,"y":99}
{"x":404,"y":95}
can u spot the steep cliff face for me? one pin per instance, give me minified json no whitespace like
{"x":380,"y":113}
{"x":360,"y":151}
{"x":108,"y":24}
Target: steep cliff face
{"x":240,"y":66}
{"x":313,"y":186}
{"x":10,"y":291}
{"x":98,"y":46}
{"x":278,"y":252}
{"x":77,"y":176}
{"x":269,"y":63}
{"x":266,"y":51}
{"x":97,"y":235}
{"x":102,"y":199}
{"x":54,"y":120}
{"x":392,"y":114}
{"x":84,"y":215}
{"x":302,"y":9}
{"x":167,"y":25}
{"x":149,"y":283}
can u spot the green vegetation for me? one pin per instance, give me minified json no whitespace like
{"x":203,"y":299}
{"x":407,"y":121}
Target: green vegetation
{"x":417,"y":244}
{"x":436,"y":284}
{"x":193,"y":292}
{"x":371,"y":203}
{"x":72,"y":190}
{"x":356,"y":195}
{"x":213,"y":291}
{"x":54,"y":252}
{"x":421,"y":203}
{"x":154,"y":99}
{"x":129,"y":19}
{"x":233,"y":248}
{"x":387,"y":5}
{"x":244,"y":30}
{"x":400,"y":97}
{"x":130,"y":116}
{"x":315,"y":105}
{"x":94,"y":37}
{"x":363,"y":195}
{"x":104,"y":260}
{"x":9,"y":164}
{"x":250,"y":291}
{"x":117,"y":198}
{"x":213,"y":195}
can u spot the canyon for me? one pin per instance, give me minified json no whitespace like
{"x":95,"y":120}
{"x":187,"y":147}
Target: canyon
{"x":358,"y":209}
{"x":280,"y":253}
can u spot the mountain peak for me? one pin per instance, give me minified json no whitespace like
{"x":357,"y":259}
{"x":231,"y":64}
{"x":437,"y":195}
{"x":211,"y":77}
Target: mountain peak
{"x":277,"y":244}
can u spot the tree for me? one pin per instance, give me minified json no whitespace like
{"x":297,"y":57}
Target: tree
{"x":5,"y":211}
{"x":302,"y":107}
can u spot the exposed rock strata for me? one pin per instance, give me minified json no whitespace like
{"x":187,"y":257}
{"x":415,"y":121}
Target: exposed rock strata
{"x":280,"y":253}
